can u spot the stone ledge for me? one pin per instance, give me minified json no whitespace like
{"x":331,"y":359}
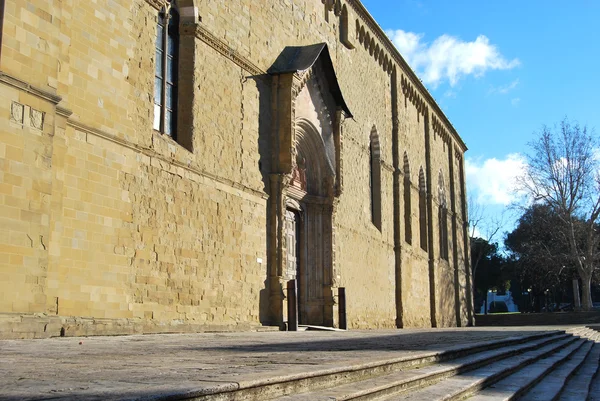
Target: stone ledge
{"x":538,"y":319}
{"x":15,"y":326}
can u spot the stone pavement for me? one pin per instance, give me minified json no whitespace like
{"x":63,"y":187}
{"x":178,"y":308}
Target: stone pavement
{"x":155,"y":366}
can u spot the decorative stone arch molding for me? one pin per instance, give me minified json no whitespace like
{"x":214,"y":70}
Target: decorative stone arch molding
{"x":440,"y":130}
{"x":373,"y":44}
{"x":307,"y":111}
{"x":311,"y":155}
{"x":411,"y":94}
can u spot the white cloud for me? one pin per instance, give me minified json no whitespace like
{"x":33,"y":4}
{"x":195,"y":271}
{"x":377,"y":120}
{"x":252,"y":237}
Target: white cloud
{"x":448,"y":57}
{"x":503,"y":90}
{"x":492,"y":181}
{"x":450,"y":93}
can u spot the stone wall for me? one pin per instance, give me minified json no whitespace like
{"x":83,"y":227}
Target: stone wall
{"x":539,"y":319}
{"x":110,"y":227}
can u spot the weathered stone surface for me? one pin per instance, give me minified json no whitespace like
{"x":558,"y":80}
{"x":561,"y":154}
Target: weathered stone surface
{"x":138,"y":366}
{"x":110,"y":227}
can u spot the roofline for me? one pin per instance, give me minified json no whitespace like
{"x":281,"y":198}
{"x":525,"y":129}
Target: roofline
{"x":364,"y":13}
{"x":315,"y":52}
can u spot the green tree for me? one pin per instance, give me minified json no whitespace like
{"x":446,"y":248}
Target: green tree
{"x":540,"y":253}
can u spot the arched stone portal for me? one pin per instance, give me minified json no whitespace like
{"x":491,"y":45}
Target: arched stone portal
{"x":309,"y":200}
{"x":305,"y":181}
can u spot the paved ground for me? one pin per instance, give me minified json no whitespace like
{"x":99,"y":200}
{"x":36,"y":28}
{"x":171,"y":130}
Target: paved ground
{"x":147,"y":366}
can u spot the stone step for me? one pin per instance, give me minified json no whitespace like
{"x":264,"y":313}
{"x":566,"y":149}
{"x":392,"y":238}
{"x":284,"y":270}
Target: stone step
{"x":595,"y":327}
{"x":578,"y":388}
{"x":402,"y":380}
{"x":551,"y":386}
{"x":514,"y":386}
{"x":584,"y":332}
{"x":594,"y":393}
{"x":273,"y":387}
{"x":467,"y":384}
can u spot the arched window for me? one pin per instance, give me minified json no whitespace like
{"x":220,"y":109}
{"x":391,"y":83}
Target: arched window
{"x":165,"y":75}
{"x":345,"y":28}
{"x":443,"y":218}
{"x":375,"y":178}
{"x":422,"y":210}
{"x":407,"y":202}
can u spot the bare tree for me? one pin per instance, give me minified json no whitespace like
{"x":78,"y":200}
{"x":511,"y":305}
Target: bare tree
{"x":562,"y":171}
{"x":481,"y":227}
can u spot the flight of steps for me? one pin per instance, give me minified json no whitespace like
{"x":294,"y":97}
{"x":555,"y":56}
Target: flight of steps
{"x":549,"y":365}
{"x":554,"y":366}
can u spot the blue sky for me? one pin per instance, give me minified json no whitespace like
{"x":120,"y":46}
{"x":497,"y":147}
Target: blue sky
{"x":499,"y":70}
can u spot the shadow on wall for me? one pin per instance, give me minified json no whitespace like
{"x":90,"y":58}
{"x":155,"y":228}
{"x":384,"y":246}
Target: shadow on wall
{"x":263,"y":86}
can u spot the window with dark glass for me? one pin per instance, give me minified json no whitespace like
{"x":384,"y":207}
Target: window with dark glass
{"x":375,"y":178}
{"x":165,"y":76}
{"x":422,"y":210}
{"x":443,"y":219}
{"x":407,"y":202}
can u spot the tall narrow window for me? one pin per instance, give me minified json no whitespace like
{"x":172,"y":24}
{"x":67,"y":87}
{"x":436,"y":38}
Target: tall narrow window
{"x":375,"y":179}
{"x":345,"y":28}
{"x":1,"y":23}
{"x":165,"y":76}
{"x":407,"y":202}
{"x":422,"y":210}
{"x":442,"y":218}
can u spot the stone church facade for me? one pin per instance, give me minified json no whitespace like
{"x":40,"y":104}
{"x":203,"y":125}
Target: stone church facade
{"x":195,"y":165}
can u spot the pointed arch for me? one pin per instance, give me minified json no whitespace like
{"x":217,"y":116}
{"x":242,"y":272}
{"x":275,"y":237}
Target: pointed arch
{"x":442,"y":217}
{"x":345,"y":28}
{"x":375,"y":177}
{"x":407,"y":202}
{"x":441,"y":189}
{"x":312,"y":155}
{"x":422,"y":210}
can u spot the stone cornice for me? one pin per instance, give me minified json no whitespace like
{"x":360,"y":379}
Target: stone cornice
{"x":207,"y":37}
{"x":27,"y":87}
{"x":63,"y":111}
{"x":413,"y":95}
{"x":458,"y":154}
{"x":395,"y":54}
{"x":440,"y":129}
